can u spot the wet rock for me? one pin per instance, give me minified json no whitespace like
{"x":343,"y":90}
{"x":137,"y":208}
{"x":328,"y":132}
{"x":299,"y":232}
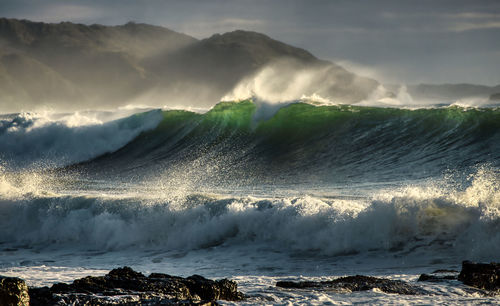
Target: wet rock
{"x":495,"y":97}
{"x":435,"y":278}
{"x":444,"y":271}
{"x":356,"y":283}
{"x":126,"y":286}
{"x":211,"y":290}
{"x":481,"y":275}
{"x":441,"y":275}
{"x":13,"y":291}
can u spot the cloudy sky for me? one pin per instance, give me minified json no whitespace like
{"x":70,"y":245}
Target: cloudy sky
{"x":395,"y":41}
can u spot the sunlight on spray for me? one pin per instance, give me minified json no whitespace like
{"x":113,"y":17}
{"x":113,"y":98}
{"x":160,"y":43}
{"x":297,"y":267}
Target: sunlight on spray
{"x":383,"y":97}
{"x":269,"y":86}
{"x":23,"y":184}
{"x":288,"y":80}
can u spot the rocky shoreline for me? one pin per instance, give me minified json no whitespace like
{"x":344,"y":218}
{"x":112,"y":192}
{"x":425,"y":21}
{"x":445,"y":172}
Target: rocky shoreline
{"x":124,"y":286}
{"x":356,"y":283}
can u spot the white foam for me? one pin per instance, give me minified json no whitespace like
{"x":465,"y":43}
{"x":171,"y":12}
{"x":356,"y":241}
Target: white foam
{"x":48,"y":139}
{"x":397,"y":233}
{"x":283,"y":81}
{"x":418,"y":219}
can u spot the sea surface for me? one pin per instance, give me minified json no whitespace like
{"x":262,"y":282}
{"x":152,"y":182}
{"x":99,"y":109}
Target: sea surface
{"x":257,"y":192}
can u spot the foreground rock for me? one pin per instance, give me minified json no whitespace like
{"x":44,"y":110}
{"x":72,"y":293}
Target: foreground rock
{"x":439,"y":276}
{"x":356,"y":283}
{"x":13,"y":291}
{"x":126,"y":286}
{"x":495,"y":97}
{"x":481,"y":275}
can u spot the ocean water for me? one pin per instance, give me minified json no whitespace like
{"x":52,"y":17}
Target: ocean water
{"x":256,"y":192}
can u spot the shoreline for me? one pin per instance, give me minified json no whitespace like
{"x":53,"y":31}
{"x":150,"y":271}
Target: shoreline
{"x":126,"y":286}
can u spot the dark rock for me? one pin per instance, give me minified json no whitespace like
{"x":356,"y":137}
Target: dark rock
{"x":207,"y":289}
{"x":481,"y":275}
{"x":435,"y":278}
{"x":439,"y":276}
{"x":133,"y":288}
{"x":41,"y":296}
{"x":125,"y":272}
{"x":301,"y":285}
{"x":356,"y":283}
{"x":13,"y":291}
{"x":444,"y":271}
{"x":495,"y":97}
{"x":159,"y":275}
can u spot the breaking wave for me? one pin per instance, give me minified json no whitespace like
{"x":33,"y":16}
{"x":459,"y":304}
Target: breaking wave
{"x":292,"y":177}
{"x":437,"y":218}
{"x":300,"y":142}
{"x":38,"y":140}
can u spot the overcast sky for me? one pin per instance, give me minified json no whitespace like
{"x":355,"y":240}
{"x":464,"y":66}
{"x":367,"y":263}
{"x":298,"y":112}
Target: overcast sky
{"x":395,"y":41}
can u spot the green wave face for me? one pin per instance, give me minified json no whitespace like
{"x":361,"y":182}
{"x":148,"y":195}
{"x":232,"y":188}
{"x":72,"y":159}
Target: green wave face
{"x":329,"y":142}
{"x":301,"y":119}
{"x":304,"y":118}
{"x":230,"y":116}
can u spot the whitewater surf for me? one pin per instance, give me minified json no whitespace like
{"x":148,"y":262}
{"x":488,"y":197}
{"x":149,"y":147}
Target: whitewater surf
{"x":253,"y":191}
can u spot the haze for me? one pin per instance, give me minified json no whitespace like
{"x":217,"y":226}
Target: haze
{"x":391,"y":41}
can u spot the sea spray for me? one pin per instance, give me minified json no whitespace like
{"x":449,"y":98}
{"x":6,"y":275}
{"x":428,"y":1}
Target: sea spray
{"x":411,"y":219}
{"x":38,"y":141}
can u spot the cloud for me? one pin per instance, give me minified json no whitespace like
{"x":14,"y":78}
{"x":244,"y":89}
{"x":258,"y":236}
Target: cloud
{"x":209,"y":27}
{"x":60,"y":12}
{"x":469,"y":26}
{"x":473,"y":15}
{"x":442,"y":21}
{"x":240,"y":22}
{"x":469,"y":21}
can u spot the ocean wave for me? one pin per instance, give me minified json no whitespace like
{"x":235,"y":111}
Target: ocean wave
{"x":302,"y":142}
{"x":39,"y":140}
{"x":254,"y":141}
{"x":409,"y":220}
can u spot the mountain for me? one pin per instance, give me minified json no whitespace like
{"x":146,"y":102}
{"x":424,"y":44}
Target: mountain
{"x":450,"y":92}
{"x":76,"y":66}
{"x":221,"y":62}
{"x":495,"y":96}
{"x":90,"y":65}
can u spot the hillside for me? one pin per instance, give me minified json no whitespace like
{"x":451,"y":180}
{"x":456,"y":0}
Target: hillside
{"x":450,"y":92}
{"x":75,"y":66}
{"x":214,"y":66}
{"x":93,"y":64}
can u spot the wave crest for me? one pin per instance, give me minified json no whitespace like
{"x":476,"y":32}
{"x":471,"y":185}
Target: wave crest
{"x":37,"y":140}
{"x":408,"y":221}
